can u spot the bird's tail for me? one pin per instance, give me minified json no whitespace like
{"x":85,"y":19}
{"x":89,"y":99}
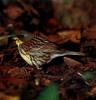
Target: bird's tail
{"x":70,"y":53}
{"x":66,"y":53}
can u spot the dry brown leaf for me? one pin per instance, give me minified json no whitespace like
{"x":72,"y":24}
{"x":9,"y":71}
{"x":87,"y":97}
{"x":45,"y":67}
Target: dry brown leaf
{"x":8,"y":97}
{"x":54,"y":38}
{"x":71,"y":62}
{"x":13,"y":11}
{"x":4,"y":42}
{"x":2,"y":29}
{"x":73,"y":36}
{"x":92,"y":92}
{"x":57,"y":39}
{"x":90,"y":33}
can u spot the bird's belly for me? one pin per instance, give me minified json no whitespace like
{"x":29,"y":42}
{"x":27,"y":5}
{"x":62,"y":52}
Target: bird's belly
{"x":26,"y":58}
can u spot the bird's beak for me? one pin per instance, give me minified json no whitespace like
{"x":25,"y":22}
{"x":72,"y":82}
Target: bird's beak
{"x":15,"y":38}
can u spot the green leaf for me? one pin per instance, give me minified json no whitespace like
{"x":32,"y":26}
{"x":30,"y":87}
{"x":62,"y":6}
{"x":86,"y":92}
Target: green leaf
{"x":50,"y":92}
{"x":67,"y":2}
{"x":88,"y":75}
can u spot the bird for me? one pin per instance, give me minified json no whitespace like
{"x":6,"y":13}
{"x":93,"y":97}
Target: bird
{"x":39,"y":51}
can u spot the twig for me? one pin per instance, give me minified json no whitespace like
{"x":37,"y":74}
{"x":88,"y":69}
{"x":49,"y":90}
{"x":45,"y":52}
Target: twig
{"x":1,"y":58}
{"x":28,"y":8}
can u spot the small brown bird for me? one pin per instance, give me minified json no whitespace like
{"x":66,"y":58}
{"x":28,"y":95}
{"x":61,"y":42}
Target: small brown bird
{"x":39,"y":51}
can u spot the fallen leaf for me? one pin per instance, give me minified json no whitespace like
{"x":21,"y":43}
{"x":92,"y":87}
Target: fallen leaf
{"x":71,"y":62}
{"x":73,"y":36}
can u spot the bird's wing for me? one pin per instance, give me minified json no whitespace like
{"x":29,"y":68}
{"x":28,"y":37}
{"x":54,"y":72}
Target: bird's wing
{"x":37,"y":44}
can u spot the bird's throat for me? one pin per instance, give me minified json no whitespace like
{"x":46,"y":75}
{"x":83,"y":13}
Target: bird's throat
{"x":19,"y":42}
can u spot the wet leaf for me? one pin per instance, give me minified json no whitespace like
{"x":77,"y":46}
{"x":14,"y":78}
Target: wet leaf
{"x":49,"y":93}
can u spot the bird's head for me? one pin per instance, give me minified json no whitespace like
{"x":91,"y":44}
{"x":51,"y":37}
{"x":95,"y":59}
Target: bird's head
{"x":18,"y":41}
